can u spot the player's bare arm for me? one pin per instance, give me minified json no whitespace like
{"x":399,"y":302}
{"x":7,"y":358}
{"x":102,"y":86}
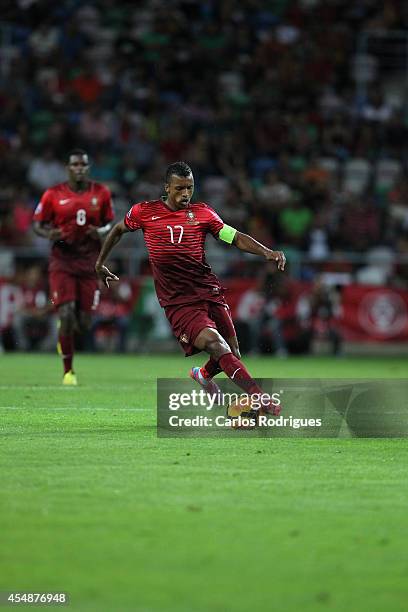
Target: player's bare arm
{"x":45,"y":231}
{"x":250,"y":245}
{"x":112,"y":239}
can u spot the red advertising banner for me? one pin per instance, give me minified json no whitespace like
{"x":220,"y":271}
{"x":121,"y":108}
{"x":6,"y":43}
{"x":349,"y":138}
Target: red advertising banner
{"x":364,"y":313}
{"x":374,"y":314}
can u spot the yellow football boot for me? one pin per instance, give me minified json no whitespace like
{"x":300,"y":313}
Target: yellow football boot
{"x":70,"y":379}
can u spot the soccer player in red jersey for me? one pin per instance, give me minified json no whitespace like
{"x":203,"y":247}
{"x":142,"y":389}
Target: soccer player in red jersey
{"x":75,"y":216}
{"x":175,"y":231}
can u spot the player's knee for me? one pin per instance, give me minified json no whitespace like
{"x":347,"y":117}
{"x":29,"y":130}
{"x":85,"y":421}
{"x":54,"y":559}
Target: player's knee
{"x":236,"y":352}
{"x":66,"y":314}
{"x":216,"y":346}
{"x":233,"y":342}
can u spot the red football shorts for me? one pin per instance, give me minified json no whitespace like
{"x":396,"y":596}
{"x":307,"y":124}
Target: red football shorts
{"x":66,"y":287}
{"x":187,"y":320}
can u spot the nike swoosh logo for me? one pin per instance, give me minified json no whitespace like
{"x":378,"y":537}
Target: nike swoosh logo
{"x":154,"y":218}
{"x":64,"y":201}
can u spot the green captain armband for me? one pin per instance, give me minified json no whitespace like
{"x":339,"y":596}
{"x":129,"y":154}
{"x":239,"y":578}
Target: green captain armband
{"x":227,"y":234}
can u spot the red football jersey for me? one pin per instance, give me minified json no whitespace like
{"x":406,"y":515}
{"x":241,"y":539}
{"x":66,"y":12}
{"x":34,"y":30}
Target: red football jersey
{"x":73,"y":213}
{"x":175,"y":242}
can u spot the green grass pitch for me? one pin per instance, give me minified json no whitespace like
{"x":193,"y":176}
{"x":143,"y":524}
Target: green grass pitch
{"x":94,"y":504}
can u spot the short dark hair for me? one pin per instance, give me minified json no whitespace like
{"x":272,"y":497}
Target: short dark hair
{"x":79,"y":152}
{"x":178,"y":169}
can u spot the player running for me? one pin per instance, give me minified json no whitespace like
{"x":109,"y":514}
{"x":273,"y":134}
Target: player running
{"x":175,"y":231}
{"x":75,"y":216}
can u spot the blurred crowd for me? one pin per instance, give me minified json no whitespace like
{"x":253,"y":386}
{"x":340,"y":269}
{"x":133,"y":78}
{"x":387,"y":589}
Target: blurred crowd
{"x":260,"y":97}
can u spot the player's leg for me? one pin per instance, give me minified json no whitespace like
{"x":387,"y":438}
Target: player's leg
{"x":270,"y":406}
{"x":234,"y":345}
{"x":84,"y":321}
{"x":196,"y":331}
{"x":231,"y":362}
{"x":88,"y":301}
{"x":186,"y":322}
{"x":224,"y":354}
{"x":211,"y":368}
{"x":221,"y":315}
{"x":211,"y":341}
{"x":67,"y":324}
{"x":63,"y":296}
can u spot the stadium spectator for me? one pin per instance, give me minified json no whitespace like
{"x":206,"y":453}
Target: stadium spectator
{"x":33,"y":323}
{"x":294,"y":222}
{"x":110,"y":325}
{"x":45,"y":170}
{"x":360,"y":225}
{"x":273,"y":194}
{"x":317,"y":313}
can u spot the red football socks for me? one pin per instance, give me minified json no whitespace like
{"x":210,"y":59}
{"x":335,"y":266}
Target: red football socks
{"x":211,"y":368}
{"x":67,"y":349}
{"x":237,"y":372}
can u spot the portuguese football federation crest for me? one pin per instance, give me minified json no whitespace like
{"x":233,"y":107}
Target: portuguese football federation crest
{"x":191,"y":219}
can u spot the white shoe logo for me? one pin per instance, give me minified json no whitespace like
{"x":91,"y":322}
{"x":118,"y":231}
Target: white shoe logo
{"x":154,"y":218}
{"x":64,"y":201}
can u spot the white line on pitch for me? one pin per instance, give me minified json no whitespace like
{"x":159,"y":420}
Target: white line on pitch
{"x":61,"y":388}
{"x":70,"y":409}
